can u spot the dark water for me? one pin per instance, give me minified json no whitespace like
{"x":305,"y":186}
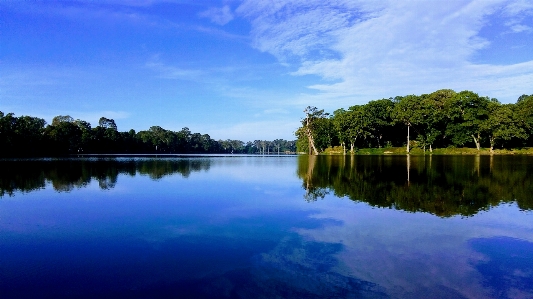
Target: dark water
{"x":267,"y":227}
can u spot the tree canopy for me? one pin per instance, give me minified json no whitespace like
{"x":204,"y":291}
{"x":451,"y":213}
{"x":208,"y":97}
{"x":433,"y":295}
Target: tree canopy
{"x":31,"y":136}
{"x":444,"y":118}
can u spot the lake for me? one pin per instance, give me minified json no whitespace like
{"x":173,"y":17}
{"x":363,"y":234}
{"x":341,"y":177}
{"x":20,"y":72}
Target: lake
{"x":267,"y":227}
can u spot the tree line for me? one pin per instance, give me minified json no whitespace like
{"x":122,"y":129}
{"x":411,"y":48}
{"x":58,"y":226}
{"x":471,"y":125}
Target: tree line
{"x":32,"y":136}
{"x":444,"y":118}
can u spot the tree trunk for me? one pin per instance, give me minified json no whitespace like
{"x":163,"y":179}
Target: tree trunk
{"x":310,"y":137}
{"x":311,"y":142}
{"x":476,"y":141}
{"x":352,"y":144}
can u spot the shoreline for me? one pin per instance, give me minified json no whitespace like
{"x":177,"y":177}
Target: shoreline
{"x":394,"y":151}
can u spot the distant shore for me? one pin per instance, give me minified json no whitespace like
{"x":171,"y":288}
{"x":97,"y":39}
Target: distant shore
{"x":438,"y":151}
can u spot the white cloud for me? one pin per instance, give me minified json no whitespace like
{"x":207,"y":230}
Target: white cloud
{"x":519,"y":7}
{"x":370,"y":50}
{"x":520,"y":28}
{"x":220,"y":16}
{"x":518,"y":13}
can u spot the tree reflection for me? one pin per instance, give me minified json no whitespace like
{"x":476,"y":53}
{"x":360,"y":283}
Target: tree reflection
{"x":64,"y":175}
{"x":441,"y":185}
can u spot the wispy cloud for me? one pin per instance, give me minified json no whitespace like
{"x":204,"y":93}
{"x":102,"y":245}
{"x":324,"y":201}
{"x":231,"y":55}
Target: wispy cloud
{"x":381,"y":49}
{"x":270,"y":112}
{"x":520,"y":28}
{"x":220,"y":16}
{"x":519,"y":8}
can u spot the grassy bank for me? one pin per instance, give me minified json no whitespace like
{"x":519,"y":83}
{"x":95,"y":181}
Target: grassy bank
{"x":439,"y":151}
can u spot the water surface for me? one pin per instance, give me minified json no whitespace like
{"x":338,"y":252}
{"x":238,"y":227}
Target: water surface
{"x":267,"y":227}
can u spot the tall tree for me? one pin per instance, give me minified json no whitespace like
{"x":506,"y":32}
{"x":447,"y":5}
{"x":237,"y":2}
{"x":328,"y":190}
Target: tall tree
{"x":502,"y":125}
{"x":358,"y":125}
{"x":407,"y":111}
{"x":379,"y":118}
{"x":342,"y":126}
{"x":435,"y":109}
{"x":64,"y":134}
{"x":523,"y":111}
{"x":107,"y":123}
{"x":316,"y":126}
{"x":466,"y":112}
{"x":62,"y":119}
{"x":430,"y":117}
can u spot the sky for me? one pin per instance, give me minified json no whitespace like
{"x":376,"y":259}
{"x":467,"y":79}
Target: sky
{"x":247,"y":69}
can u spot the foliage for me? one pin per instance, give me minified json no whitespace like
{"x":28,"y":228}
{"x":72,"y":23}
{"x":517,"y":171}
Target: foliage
{"x":29,"y":136}
{"x":378,"y":116}
{"x":317,"y":128}
{"x":502,"y":125}
{"x":441,"y":119}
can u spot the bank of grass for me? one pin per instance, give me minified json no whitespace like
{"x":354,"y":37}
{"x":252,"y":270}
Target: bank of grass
{"x":337,"y":150}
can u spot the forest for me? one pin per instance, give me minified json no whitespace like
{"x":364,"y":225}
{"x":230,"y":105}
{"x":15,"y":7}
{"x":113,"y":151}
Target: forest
{"x":28,"y":136}
{"x":442,"y":119}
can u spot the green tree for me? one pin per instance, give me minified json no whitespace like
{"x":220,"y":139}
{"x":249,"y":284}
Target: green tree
{"x":502,"y":125}
{"x":183,"y":139}
{"x":159,"y":138}
{"x":29,"y":134}
{"x":358,"y":125}
{"x":86,"y":134}
{"x":62,"y":119}
{"x":466,"y":112}
{"x":341,"y":123}
{"x":20,"y":136}
{"x":407,"y":111}
{"x":207,"y":143}
{"x":107,"y":123}
{"x":64,"y":135}
{"x":317,"y":128}
{"x":379,"y":118}
{"x":523,"y":110}
{"x":431,"y":117}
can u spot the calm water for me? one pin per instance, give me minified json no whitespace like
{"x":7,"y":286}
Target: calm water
{"x":267,"y":227}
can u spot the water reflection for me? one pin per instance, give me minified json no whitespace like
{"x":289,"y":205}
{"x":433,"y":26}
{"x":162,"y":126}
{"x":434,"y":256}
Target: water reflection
{"x":238,"y":228}
{"x":441,"y":185}
{"x":508,"y":266}
{"x":67,"y":174}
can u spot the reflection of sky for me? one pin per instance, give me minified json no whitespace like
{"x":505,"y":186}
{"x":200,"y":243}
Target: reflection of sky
{"x":243,"y":229}
{"x":417,"y":255}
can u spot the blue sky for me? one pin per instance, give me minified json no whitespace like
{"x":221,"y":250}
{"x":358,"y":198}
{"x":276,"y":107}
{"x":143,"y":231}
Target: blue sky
{"x":247,"y":69}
